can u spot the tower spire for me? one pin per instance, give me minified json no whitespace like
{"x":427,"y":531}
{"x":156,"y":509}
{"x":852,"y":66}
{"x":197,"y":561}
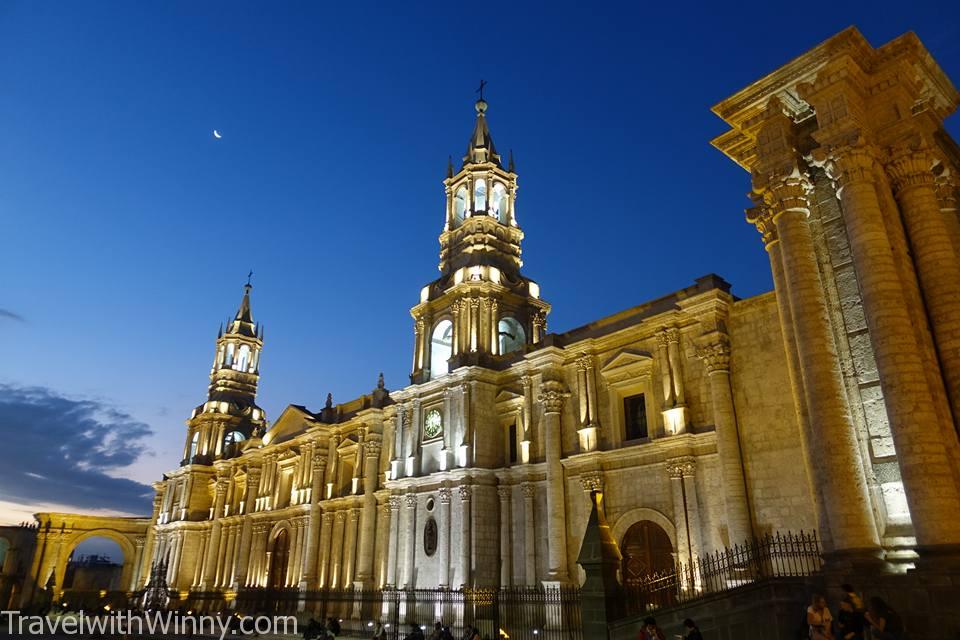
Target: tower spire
{"x":481,"y":149}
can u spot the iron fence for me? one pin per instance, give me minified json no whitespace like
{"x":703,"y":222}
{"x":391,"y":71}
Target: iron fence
{"x":769,"y":556}
{"x":521,"y":613}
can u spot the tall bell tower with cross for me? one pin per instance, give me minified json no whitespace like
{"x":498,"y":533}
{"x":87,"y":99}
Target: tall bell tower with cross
{"x":481,"y":310}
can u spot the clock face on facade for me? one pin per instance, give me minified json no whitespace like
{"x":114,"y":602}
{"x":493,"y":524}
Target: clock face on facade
{"x":432,"y":424}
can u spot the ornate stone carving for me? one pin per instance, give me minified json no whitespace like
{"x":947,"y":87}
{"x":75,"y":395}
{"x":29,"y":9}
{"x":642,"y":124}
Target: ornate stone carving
{"x":552,"y":396}
{"x":910,"y":168}
{"x":584,"y":362}
{"x":529,"y":490}
{"x":504,"y":491}
{"x":673,"y":335}
{"x":761,"y":216}
{"x":372,"y":448}
{"x":715,"y":354}
{"x":319,"y":461}
{"x":411,"y":500}
{"x":682,"y":467}
{"x":850,"y":165}
{"x":465,"y":492}
{"x":786,"y":193}
{"x":444,"y":494}
{"x":395,"y":503}
{"x":591,"y":481}
{"x":662,"y":338}
{"x":341,"y":516}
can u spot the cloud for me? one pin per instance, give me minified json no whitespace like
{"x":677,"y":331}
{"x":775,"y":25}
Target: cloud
{"x":59,"y":450}
{"x":10,"y":315}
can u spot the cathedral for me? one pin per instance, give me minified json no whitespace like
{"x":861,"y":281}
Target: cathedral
{"x":827,"y":405}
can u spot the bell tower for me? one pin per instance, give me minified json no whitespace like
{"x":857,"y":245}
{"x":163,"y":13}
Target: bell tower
{"x":220,"y":426}
{"x":481,"y":310}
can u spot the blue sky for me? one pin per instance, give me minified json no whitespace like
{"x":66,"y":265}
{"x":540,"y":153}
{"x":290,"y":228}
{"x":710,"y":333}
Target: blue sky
{"x":128,"y":230}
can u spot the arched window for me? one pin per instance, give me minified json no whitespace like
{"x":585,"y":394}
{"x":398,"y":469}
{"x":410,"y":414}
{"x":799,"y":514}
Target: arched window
{"x":512,"y":336}
{"x":498,"y":202}
{"x":234,"y":437}
{"x":459,"y":205}
{"x":243,"y":358}
{"x":228,"y":359}
{"x":480,"y":195}
{"x":441,"y":348}
{"x":194,"y":443}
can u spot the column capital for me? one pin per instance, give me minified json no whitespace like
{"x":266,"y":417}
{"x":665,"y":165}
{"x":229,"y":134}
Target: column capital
{"x":319,"y":460}
{"x":327,"y":517}
{"x":788,"y":193}
{"x":465,"y":492}
{"x":354,"y":514}
{"x":946,"y":186}
{"x":411,"y":500}
{"x":681,"y":467}
{"x":394,"y":503}
{"x":910,"y":168}
{"x":761,"y":216}
{"x":371,"y":448}
{"x":714,"y":350}
{"x":529,"y":490}
{"x":444,"y":493}
{"x":504,"y":492}
{"x":591,"y":481}
{"x":340,"y":516}
{"x":584,"y":362}
{"x":552,"y":396}
{"x":851,"y":164}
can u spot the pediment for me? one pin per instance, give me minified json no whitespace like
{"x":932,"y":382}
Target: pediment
{"x":507,"y":395}
{"x":627,"y":359}
{"x":292,"y":422}
{"x":348,"y":442}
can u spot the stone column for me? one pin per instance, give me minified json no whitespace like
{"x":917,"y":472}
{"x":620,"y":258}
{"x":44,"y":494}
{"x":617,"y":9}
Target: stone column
{"x":715,"y":352}
{"x":676,"y":371}
{"x":250,"y":497}
{"x":835,"y":446}
{"x":466,"y":543}
{"x":527,"y":435}
{"x":928,"y":479}
{"x":350,"y":548}
{"x":762,"y":217}
{"x":552,"y":396}
{"x":336,"y":549}
{"x":456,"y":333}
{"x":393,"y":547}
{"x":326,"y":539}
{"x":210,"y":572}
{"x":685,"y":553}
{"x":506,"y":565}
{"x":146,"y":560}
{"x":368,"y":524}
{"x":410,"y":548}
{"x":663,"y":359}
{"x":530,"y":534}
{"x":417,"y":344}
{"x":443,"y":536}
{"x":315,"y":523}
{"x":932,"y":248}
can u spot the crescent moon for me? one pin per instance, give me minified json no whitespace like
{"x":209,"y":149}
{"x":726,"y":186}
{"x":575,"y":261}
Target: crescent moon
{"x":216,"y":134}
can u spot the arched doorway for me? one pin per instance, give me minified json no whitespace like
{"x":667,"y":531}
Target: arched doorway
{"x":93,"y":574}
{"x":279,"y":560}
{"x":648,"y":568}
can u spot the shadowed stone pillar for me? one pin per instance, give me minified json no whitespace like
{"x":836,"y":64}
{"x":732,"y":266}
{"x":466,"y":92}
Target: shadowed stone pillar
{"x":601,"y":594}
{"x":315,"y":523}
{"x":410,"y":548}
{"x":529,"y":491}
{"x":714,"y":350}
{"x":686,"y":511}
{"x":336,"y":549}
{"x":393,"y":546}
{"x":552,"y":396}
{"x":466,"y":523}
{"x":444,"y":494}
{"x":210,"y":572}
{"x":932,"y":247}
{"x":928,"y":479}
{"x":326,"y":540}
{"x":250,"y":497}
{"x":147,"y":559}
{"x":834,"y":443}
{"x":368,"y":525}
{"x":762,"y":217}
{"x":506,"y":565}
{"x":350,"y":548}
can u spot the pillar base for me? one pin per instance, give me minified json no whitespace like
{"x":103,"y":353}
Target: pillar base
{"x":855,"y":561}
{"x":940,"y":558}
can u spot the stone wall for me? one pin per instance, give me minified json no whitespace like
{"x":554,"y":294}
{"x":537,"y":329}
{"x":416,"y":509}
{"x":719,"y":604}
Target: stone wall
{"x":777,"y":484}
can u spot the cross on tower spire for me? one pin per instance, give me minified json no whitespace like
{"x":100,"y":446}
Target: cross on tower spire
{"x":483,"y":83}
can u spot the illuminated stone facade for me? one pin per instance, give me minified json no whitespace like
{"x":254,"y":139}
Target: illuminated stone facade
{"x":704,"y":419}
